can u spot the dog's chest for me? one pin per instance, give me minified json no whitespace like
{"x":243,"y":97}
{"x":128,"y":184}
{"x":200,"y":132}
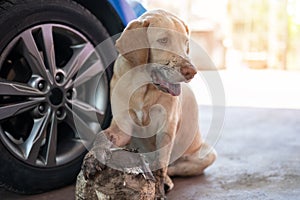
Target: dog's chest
{"x":152,"y":107}
{"x":139,"y":115}
{"x":140,"y":102}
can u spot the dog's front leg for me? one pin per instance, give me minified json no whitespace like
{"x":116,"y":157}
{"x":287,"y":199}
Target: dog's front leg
{"x":95,"y":160}
{"x":164,"y":145}
{"x":117,"y":136}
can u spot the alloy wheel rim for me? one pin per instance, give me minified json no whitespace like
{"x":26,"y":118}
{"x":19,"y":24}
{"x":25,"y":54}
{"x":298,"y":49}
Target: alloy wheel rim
{"x":52,"y":81}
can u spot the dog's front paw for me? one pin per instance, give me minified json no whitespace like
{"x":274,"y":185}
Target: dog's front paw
{"x":168,"y":184}
{"x":159,"y":185}
{"x":160,"y":196}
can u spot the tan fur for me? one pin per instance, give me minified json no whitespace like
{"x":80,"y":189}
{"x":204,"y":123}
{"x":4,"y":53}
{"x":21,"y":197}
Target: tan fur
{"x":182,"y":111}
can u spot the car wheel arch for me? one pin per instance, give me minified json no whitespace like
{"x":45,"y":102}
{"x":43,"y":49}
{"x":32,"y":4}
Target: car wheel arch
{"x":104,"y":13}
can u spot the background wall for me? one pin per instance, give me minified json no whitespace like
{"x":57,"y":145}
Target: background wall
{"x":257,"y":34}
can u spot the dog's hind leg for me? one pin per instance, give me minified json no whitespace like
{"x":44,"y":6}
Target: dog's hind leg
{"x":195,"y":164}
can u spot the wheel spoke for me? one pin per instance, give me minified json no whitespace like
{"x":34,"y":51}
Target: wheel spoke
{"x":78,"y":122}
{"x":32,"y":55}
{"x":52,"y":142}
{"x":17,"y":89}
{"x":14,"y":109}
{"x":95,"y":69}
{"x":49,"y":48}
{"x":87,"y":111}
{"x":80,"y":55}
{"x":32,"y":145}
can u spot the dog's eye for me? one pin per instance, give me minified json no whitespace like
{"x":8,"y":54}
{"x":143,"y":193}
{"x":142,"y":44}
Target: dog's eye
{"x":163,"y":40}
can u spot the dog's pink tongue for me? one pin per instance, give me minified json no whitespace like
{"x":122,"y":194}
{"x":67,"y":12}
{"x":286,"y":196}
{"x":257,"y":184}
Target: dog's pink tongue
{"x":174,"y":89}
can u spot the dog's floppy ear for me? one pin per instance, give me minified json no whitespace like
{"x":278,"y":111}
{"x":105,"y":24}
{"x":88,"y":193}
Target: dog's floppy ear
{"x":133,"y":42}
{"x":188,"y":32}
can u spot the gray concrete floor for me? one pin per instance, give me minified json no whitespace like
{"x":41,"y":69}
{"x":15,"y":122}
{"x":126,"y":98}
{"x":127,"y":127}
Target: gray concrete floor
{"x":259,"y":158}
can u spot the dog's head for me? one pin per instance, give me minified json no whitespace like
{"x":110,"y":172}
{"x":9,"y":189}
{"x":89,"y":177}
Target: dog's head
{"x":162,"y":40}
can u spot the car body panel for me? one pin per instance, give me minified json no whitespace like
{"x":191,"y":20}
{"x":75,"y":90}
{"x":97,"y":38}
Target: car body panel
{"x":127,"y":10}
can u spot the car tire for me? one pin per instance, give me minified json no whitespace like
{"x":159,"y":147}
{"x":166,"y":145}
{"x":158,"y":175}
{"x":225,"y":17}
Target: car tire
{"x":39,"y":146}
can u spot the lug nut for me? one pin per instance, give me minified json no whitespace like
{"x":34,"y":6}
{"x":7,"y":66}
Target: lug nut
{"x":60,"y":113}
{"x":41,"y":85}
{"x":59,"y":77}
{"x":69,"y":94}
{"x":42,"y":108}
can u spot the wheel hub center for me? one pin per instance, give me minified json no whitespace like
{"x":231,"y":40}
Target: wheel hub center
{"x":56,"y":96}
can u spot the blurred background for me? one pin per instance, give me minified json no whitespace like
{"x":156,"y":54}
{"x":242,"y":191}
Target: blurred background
{"x":254,"y":44}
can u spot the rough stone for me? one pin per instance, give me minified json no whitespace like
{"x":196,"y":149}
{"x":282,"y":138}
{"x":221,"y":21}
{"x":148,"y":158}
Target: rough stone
{"x":114,"y":173}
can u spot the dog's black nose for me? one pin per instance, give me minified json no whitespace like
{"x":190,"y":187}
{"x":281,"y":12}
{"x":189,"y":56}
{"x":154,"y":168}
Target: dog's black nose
{"x":188,"y":72}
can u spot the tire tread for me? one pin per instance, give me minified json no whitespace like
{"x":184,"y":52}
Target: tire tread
{"x":5,"y":6}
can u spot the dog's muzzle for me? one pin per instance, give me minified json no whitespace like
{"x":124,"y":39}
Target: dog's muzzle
{"x":172,"y":88}
{"x":188,"y":71}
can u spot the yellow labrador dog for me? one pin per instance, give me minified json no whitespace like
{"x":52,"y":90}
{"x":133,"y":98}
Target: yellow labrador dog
{"x":159,"y":41}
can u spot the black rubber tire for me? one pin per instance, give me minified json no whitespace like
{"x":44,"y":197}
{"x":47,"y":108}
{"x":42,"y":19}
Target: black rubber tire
{"x":15,"y":17}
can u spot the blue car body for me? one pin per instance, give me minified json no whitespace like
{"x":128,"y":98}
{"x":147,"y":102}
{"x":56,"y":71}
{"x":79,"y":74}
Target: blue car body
{"x":127,"y":10}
